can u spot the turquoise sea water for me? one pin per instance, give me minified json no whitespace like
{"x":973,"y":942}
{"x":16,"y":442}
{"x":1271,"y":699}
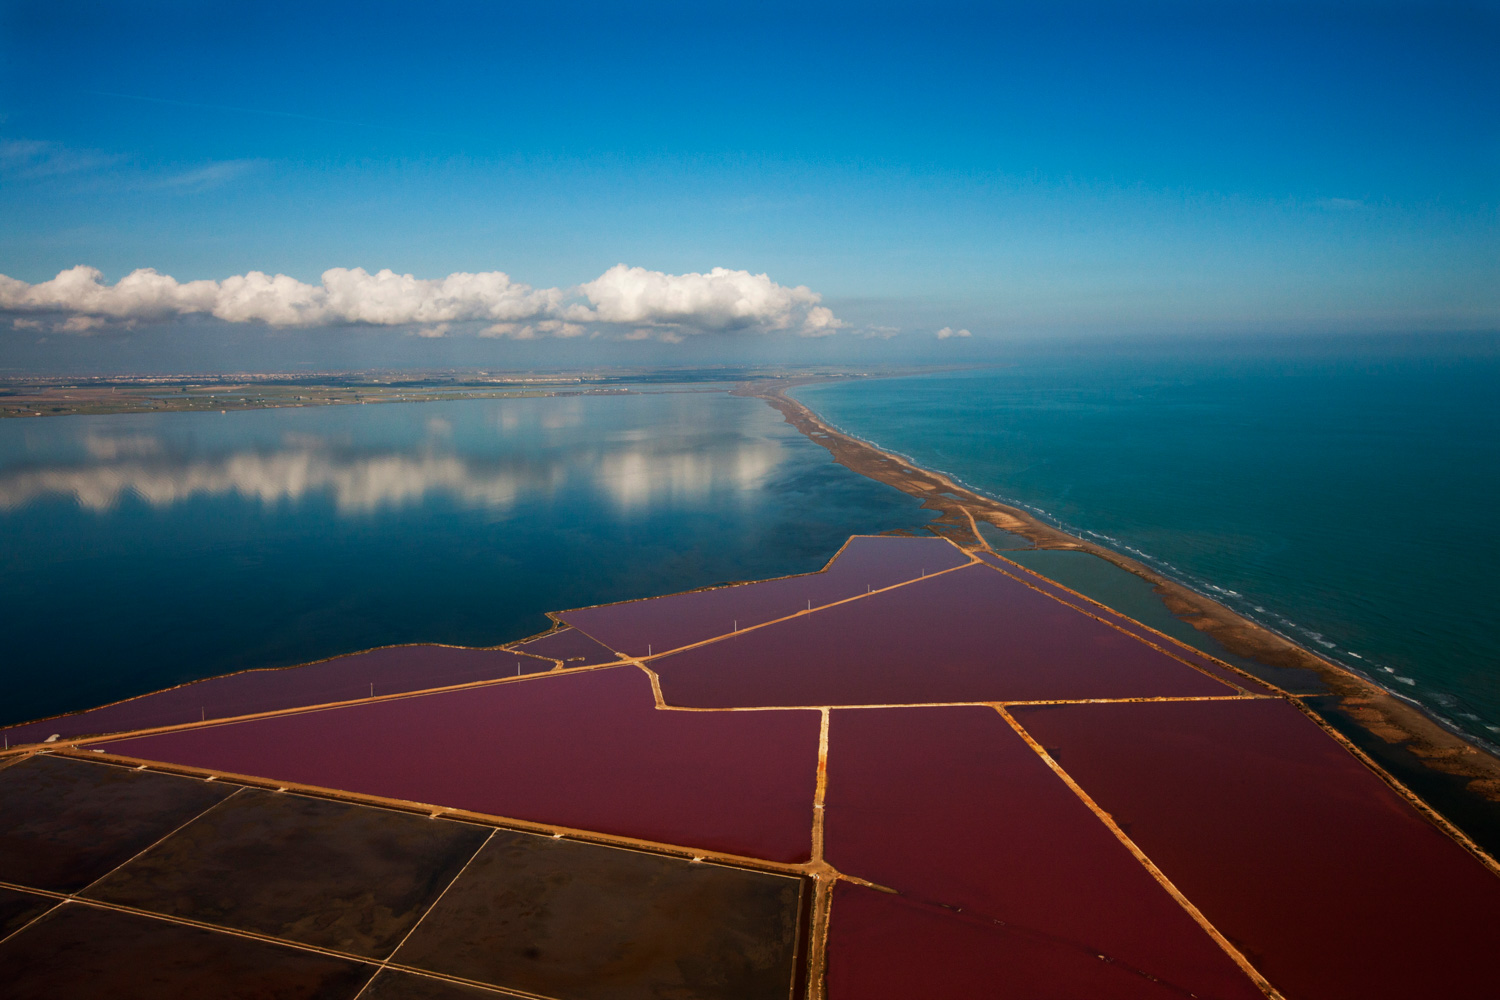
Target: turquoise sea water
{"x":1343,"y":493}
{"x":140,"y":551}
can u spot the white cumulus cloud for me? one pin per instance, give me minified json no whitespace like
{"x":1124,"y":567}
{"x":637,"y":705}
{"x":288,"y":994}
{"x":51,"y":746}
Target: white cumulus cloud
{"x":948,"y":331}
{"x":626,"y":301}
{"x":346,"y":295}
{"x":719,"y":300}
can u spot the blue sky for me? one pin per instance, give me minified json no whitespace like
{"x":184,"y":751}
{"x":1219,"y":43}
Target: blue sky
{"x":1013,"y":170}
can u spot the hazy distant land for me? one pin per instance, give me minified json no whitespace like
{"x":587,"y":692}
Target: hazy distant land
{"x":66,"y":396}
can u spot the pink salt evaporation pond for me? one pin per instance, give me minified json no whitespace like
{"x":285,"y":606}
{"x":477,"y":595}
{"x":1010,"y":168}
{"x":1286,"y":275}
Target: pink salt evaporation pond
{"x":662,"y":623}
{"x":1293,"y":848}
{"x":1177,"y":648}
{"x":585,"y":749}
{"x":1000,"y":872}
{"x":389,"y":670}
{"x":972,"y":635}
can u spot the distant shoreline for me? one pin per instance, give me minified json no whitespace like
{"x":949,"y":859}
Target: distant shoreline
{"x":58,"y":396}
{"x":97,"y":400}
{"x":1401,"y":736}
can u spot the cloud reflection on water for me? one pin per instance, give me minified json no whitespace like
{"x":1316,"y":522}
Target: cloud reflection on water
{"x":629,"y":471}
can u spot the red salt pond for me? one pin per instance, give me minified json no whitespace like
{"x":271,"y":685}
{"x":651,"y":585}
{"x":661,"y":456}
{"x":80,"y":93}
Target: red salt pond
{"x":965,"y":636}
{"x":883,"y":947}
{"x":570,"y":646}
{"x":665,"y":623}
{"x":1002,"y":875}
{"x":391,"y":670}
{"x":587,"y":750}
{"x":1334,"y":884}
{"x":1173,"y":646}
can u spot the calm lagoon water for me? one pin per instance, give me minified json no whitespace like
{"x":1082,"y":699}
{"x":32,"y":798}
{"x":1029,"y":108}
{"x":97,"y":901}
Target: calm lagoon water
{"x":1345,"y":495}
{"x":141,"y":551}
